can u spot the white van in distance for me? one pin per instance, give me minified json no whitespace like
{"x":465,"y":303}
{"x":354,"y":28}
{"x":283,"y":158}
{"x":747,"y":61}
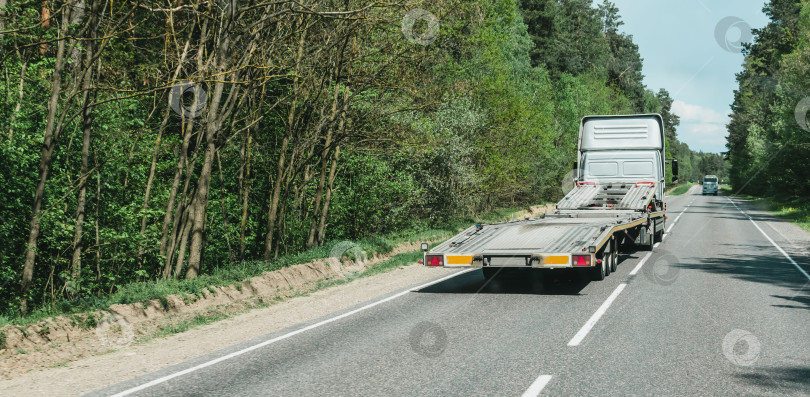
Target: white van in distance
{"x":710,"y":185}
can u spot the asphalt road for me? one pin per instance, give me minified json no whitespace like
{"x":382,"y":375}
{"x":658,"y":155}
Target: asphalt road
{"x":716,"y":309}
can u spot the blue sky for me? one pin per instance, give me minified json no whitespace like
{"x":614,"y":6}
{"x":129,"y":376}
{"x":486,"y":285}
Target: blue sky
{"x":681,"y":53}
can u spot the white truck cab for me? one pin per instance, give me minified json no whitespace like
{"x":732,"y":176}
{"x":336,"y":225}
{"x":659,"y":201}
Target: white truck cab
{"x":623,"y":149}
{"x":710,"y":185}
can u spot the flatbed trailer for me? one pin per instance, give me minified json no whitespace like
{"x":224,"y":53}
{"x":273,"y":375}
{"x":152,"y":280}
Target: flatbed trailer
{"x":593,"y":222}
{"x":586,"y":237}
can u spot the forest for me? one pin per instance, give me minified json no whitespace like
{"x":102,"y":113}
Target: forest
{"x":769,"y":136}
{"x":148,"y":140}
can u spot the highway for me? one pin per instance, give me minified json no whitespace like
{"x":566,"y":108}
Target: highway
{"x":721,"y":307}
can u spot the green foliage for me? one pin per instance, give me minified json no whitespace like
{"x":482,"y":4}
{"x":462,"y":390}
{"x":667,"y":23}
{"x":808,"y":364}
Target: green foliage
{"x":768,"y":148}
{"x":483,"y":118}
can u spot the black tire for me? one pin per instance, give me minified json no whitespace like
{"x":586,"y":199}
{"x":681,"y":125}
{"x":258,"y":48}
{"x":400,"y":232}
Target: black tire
{"x":648,"y":246}
{"x":715,"y":193}
{"x":614,"y":257}
{"x":599,"y":272}
{"x":659,"y":236}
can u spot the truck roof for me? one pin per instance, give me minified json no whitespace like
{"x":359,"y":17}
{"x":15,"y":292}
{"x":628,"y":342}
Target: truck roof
{"x":625,"y":132}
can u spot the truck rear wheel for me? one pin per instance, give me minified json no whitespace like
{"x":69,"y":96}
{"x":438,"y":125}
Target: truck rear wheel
{"x":647,"y":239}
{"x":659,"y":235}
{"x":600,"y":271}
{"x":614,"y":256}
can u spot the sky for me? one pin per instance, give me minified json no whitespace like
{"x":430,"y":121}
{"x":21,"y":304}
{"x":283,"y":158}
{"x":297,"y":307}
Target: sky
{"x":691,"y":48}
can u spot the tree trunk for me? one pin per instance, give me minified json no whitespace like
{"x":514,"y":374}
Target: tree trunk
{"x":87,"y":115}
{"x":213,"y":123}
{"x":333,"y":170}
{"x":328,"y":199}
{"x":3,"y":4}
{"x":20,"y":91}
{"x":245,"y":195}
{"x":50,"y":136}
{"x":324,"y":161}
{"x":200,"y":201}
{"x":170,"y":206}
{"x":271,"y":217}
{"x":183,"y":233}
{"x":224,"y":212}
{"x":76,"y":261}
{"x":45,"y":22}
{"x":98,"y":235}
{"x":153,"y":165}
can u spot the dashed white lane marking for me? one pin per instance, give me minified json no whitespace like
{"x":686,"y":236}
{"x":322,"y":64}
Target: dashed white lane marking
{"x":641,"y":263}
{"x":282,"y":337}
{"x":537,"y":387}
{"x":770,"y":240}
{"x":676,"y":219}
{"x":583,"y":332}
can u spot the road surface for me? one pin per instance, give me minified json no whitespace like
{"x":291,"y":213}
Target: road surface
{"x":721,"y":307}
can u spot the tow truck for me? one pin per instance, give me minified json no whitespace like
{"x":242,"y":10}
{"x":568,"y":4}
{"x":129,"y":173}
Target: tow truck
{"x":617,"y":204}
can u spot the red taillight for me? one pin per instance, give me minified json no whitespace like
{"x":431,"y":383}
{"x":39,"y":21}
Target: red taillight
{"x":582,"y":260}
{"x":434,"y":260}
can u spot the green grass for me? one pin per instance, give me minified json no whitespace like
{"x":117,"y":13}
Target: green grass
{"x":234,"y":273}
{"x":185,"y":325}
{"x":680,"y":189}
{"x":793,"y":210}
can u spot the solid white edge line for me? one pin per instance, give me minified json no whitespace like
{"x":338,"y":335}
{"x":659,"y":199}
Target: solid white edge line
{"x":282,"y":337}
{"x":537,"y":387}
{"x":640,"y":264}
{"x":657,"y":244}
{"x":771,"y":240}
{"x":583,"y":332}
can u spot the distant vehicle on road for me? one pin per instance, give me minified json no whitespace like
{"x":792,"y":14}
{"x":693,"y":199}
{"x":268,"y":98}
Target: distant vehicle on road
{"x":710,"y":185}
{"x":617,"y":203}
